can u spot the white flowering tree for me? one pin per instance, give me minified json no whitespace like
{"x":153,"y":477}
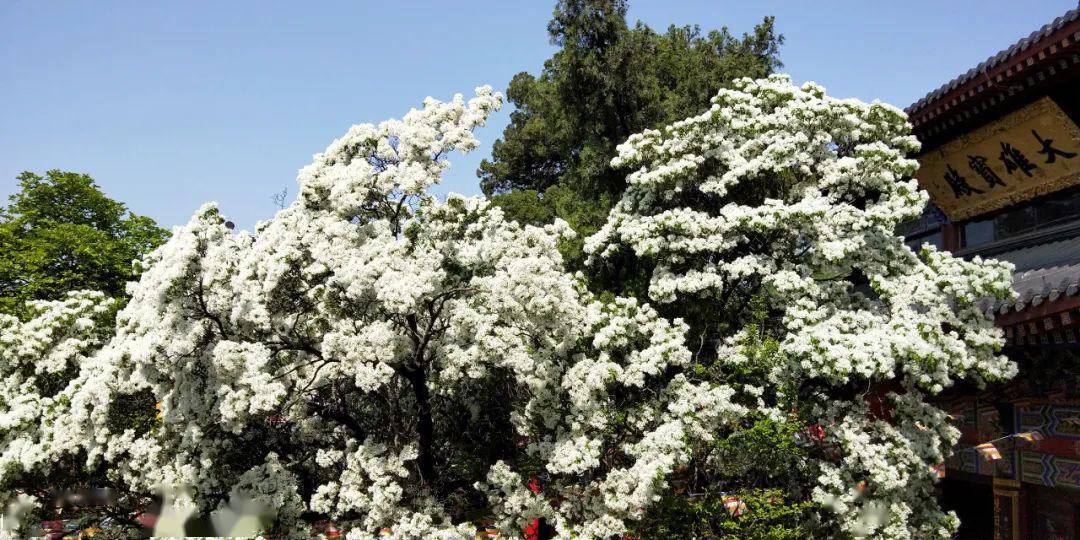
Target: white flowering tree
{"x":768,"y":223}
{"x":384,"y":360}
{"x":381,"y":359}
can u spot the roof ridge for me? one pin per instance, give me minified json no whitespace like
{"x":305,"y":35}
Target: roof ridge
{"x":995,"y":60}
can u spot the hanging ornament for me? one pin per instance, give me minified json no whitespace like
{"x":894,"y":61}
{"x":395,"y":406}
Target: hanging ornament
{"x":988,"y":451}
{"x":1031,"y":436}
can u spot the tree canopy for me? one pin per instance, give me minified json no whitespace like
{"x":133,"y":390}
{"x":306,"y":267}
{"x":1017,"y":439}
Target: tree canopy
{"x":61,"y":233}
{"x":607,"y":81}
{"x":391,"y":362}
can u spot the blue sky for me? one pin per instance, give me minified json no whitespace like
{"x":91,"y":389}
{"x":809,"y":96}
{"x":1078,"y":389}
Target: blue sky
{"x":171,"y":104}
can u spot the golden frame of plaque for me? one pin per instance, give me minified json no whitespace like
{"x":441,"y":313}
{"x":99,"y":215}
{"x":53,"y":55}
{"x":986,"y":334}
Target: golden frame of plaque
{"x":1030,"y":152}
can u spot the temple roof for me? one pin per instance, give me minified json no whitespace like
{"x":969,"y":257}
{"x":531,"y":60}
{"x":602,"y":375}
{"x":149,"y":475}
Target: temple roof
{"x":1032,"y":61}
{"x":1044,"y":274}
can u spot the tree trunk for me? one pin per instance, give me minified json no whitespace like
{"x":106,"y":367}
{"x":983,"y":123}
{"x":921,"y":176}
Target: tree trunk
{"x":425,"y":427}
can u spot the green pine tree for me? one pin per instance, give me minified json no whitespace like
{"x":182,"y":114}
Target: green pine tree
{"x":607,"y":81}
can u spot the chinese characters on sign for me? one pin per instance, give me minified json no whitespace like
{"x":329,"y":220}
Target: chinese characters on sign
{"x":1015,"y":160}
{"x":1032,"y":151}
{"x":959,"y":184}
{"x":1012,"y":158}
{"x":1048,"y":149}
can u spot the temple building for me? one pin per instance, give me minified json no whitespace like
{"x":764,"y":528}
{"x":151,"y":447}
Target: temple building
{"x":1001,"y":161}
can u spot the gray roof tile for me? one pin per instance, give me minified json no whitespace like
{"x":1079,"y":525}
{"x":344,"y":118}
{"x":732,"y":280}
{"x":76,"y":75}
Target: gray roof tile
{"x":1047,"y":272}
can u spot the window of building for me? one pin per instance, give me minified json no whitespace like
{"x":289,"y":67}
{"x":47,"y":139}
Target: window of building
{"x":924,"y":229}
{"x":1060,"y":208}
{"x":934,"y":238}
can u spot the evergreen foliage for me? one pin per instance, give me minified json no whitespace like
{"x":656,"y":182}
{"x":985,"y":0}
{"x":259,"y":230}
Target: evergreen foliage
{"x":607,"y":81}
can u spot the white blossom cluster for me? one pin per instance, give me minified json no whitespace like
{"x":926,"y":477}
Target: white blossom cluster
{"x":40,"y":361}
{"x":781,"y":191}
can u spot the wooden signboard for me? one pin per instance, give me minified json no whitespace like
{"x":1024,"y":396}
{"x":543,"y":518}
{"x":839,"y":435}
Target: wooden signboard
{"x":1030,"y":152}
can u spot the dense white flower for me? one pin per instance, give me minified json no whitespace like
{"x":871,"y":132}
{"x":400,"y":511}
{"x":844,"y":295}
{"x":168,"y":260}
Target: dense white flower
{"x":40,"y":360}
{"x":349,"y":358}
{"x":384,"y":359}
{"x":782,"y":193}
